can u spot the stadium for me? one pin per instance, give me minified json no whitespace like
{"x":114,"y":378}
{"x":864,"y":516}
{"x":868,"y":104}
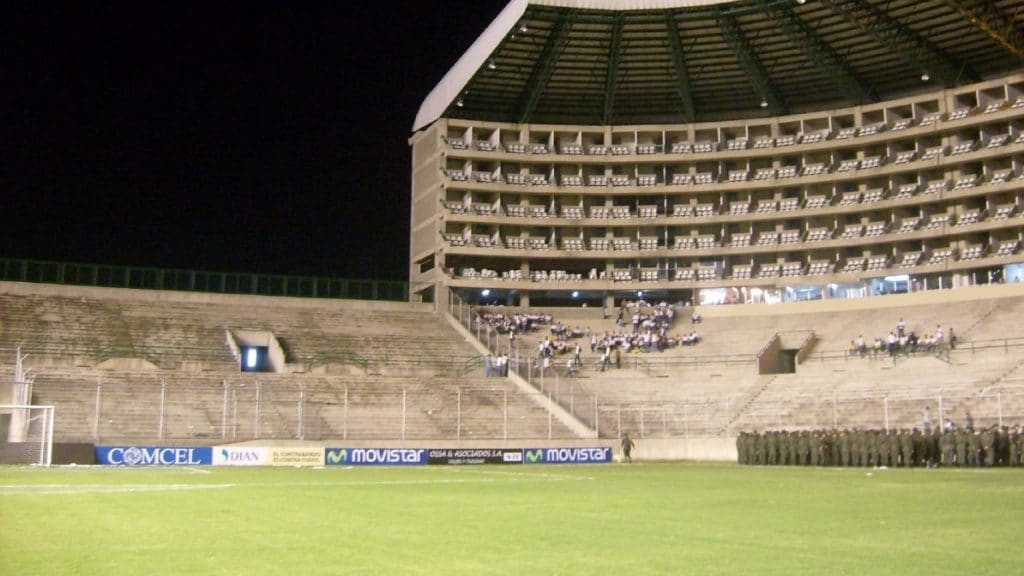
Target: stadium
{"x":772,"y":246}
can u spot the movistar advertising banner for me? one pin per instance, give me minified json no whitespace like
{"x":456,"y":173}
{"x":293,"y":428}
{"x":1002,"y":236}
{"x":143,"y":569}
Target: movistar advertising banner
{"x":154,"y":455}
{"x":375,"y":456}
{"x":567,"y":455}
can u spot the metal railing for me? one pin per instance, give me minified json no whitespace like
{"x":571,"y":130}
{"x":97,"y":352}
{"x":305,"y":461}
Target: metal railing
{"x":713,"y":417}
{"x":962,"y":350}
{"x":538,"y":372}
{"x":74,"y":273}
{"x":248,"y":409}
{"x":169,"y":411}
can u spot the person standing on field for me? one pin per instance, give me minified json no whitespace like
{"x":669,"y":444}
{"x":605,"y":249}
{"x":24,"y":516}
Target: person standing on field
{"x":627,"y":447}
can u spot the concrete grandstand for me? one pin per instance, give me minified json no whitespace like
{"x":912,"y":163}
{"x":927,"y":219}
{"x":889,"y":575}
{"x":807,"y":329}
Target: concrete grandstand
{"x":798,"y":175}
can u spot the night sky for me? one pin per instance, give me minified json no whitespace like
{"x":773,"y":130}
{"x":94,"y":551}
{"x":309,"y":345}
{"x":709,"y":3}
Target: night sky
{"x":233,"y":137}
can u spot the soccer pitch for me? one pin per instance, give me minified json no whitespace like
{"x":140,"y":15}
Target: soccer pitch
{"x":642,"y":518}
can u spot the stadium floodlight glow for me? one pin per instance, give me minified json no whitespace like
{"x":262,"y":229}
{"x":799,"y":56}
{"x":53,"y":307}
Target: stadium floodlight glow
{"x":640,"y":293}
{"x":523,"y":28}
{"x":491,"y":64}
{"x":925,"y":76}
{"x":485,"y":292}
{"x":764,"y":102}
{"x":801,"y":1}
{"x":252,"y":358}
{"x":575,"y":293}
{"x":458,"y":102}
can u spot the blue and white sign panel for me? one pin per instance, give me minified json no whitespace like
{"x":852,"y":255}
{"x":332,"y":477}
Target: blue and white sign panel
{"x":375,"y":456}
{"x":567,"y":455}
{"x":154,"y":455}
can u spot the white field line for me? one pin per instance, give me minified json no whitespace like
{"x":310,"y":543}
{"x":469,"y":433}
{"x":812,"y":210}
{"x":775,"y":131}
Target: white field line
{"x":194,"y":470}
{"x":46,"y":489}
{"x":510,"y":473}
{"x":15,"y":489}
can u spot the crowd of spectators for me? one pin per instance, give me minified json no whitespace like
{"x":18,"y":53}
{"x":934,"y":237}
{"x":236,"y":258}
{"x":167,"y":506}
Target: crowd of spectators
{"x":562,"y":332}
{"x":646,"y":330}
{"x":646,"y":341}
{"x":514,"y":323}
{"x":900,"y":341}
{"x":646,"y":316}
{"x":952,"y":446}
{"x":496,"y":366}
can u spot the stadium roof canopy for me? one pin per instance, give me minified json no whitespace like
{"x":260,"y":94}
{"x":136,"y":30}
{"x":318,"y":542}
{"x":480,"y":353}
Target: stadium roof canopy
{"x":678,"y":61}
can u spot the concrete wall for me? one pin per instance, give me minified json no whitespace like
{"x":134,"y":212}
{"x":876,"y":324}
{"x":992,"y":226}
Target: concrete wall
{"x":654,"y":449}
{"x":706,"y":449}
{"x":768,"y":358}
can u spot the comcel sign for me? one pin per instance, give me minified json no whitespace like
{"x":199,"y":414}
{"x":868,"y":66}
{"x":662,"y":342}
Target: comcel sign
{"x":153,"y":455}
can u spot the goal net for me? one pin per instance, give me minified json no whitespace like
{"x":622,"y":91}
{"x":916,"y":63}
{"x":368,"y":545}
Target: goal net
{"x":26,"y":434}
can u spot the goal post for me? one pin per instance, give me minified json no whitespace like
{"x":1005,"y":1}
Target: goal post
{"x":26,"y":434}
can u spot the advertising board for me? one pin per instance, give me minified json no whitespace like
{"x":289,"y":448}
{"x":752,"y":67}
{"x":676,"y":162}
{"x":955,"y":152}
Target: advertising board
{"x":375,"y":456}
{"x":295,"y":457}
{"x":240,"y":456}
{"x":567,"y":455}
{"x":154,"y":455}
{"x":475,"y":456}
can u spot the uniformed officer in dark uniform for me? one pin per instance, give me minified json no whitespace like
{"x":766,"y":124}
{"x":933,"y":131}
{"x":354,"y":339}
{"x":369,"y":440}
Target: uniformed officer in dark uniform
{"x":894,"y":448}
{"x":845,"y":445}
{"x":960,"y":440}
{"x":988,"y":446}
{"x":948,"y":447}
{"x":973,"y":448}
{"x":1014,"y":441}
{"x":906,"y":448}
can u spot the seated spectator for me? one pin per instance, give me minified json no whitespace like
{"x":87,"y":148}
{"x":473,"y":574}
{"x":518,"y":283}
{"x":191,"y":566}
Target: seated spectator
{"x":912,"y":340}
{"x":927,"y":342}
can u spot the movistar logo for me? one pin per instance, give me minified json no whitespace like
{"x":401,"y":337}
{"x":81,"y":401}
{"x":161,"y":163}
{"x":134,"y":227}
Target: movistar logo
{"x":337,"y":456}
{"x":533,"y":456}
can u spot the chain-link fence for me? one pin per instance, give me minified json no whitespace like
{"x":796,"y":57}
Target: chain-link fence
{"x":241,"y":409}
{"x":1002,"y":406}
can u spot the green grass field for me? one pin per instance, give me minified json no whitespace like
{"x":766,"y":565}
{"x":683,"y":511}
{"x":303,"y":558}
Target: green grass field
{"x":644,"y":518}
